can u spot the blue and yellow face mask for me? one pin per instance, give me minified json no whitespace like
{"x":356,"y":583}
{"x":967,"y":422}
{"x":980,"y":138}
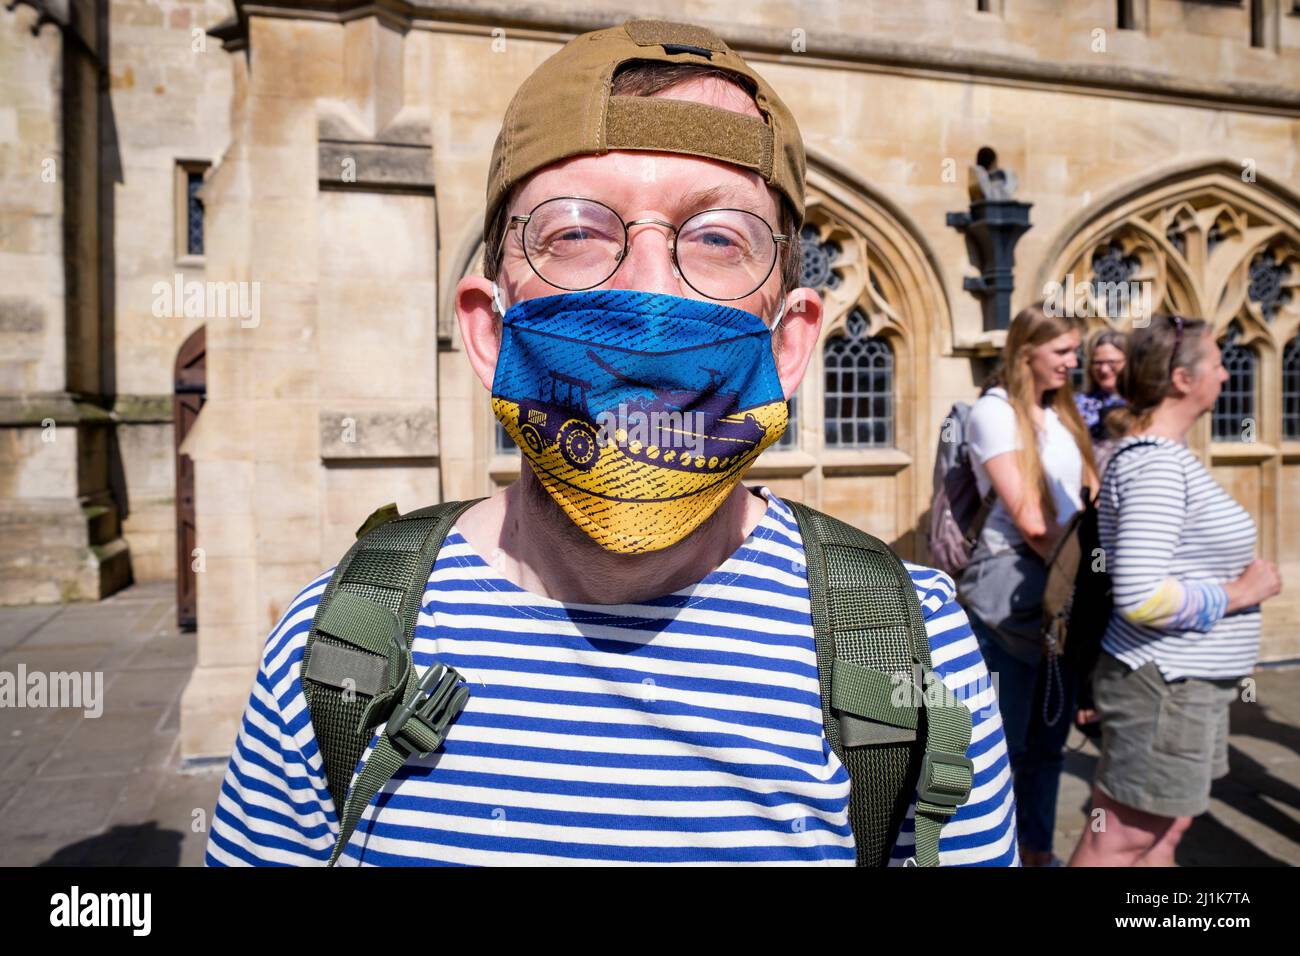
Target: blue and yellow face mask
{"x":638,"y":411}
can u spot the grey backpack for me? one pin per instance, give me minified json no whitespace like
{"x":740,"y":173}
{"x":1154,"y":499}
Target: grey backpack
{"x":957,"y":513}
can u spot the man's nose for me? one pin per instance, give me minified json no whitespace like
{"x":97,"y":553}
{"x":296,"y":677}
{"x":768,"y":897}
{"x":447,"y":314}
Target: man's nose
{"x":648,"y":263}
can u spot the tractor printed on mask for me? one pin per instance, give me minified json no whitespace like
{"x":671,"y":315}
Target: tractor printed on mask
{"x":557,"y":418}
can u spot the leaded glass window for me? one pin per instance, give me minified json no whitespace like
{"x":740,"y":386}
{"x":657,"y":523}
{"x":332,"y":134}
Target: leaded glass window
{"x":1236,"y":402}
{"x":193,"y":213}
{"x":859,"y":371}
{"x":1291,"y":390}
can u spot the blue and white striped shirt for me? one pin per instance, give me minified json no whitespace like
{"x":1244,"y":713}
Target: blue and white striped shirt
{"x":684,"y":729}
{"x":1172,"y":537}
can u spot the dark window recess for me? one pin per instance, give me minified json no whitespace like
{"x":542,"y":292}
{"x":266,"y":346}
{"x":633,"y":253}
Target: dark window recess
{"x":505,"y":445}
{"x":790,"y":437}
{"x":193,"y":213}
{"x":859,"y":395}
{"x":1078,"y":380}
{"x":1124,"y":15}
{"x":1267,"y":284}
{"x":1257,"y":23}
{"x":1291,"y":390}
{"x":1236,"y":402}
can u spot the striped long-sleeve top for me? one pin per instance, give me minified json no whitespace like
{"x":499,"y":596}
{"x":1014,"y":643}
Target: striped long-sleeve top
{"x":684,"y":729}
{"x":1172,"y":537}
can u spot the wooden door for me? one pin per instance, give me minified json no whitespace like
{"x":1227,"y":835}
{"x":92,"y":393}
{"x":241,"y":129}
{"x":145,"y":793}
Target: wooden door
{"x":191,"y":388}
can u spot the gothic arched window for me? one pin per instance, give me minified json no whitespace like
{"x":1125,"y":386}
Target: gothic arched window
{"x":859,"y":388}
{"x":1236,"y":402}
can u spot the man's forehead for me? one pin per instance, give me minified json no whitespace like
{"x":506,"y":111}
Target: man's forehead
{"x":667,"y":181}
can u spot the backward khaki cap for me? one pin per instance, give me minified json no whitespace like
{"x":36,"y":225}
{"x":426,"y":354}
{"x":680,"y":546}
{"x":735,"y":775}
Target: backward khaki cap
{"x":565,"y":109}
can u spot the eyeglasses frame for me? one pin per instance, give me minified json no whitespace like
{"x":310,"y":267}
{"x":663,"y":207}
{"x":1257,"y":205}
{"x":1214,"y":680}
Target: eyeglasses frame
{"x":522,"y":221}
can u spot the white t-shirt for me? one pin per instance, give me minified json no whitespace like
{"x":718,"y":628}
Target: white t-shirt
{"x":992,"y":431}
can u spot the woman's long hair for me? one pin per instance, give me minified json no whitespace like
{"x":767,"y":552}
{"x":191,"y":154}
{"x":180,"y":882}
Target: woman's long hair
{"x":1031,"y":328}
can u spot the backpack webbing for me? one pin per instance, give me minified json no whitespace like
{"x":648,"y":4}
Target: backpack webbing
{"x":389,"y":568}
{"x":885,"y":713}
{"x":870,"y":640}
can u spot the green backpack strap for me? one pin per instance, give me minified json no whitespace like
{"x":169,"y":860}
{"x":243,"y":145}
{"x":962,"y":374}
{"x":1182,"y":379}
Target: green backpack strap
{"x":887,"y":716}
{"x":357,"y":671}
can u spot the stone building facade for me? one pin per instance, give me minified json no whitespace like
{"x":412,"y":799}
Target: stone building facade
{"x":103,"y":107}
{"x":1156,"y":141}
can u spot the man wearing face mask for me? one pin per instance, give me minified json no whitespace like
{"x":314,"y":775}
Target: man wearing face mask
{"x":627,"y":656}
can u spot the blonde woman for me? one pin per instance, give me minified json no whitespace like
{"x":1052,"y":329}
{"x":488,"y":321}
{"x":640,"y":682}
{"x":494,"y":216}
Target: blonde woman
{"x":1187,"y":587}
{"x":1029,"y":443}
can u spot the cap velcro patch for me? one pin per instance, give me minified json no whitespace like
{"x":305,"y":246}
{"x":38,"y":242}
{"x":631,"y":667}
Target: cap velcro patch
{"x":683,"y":126}
{"x":662,"y":33}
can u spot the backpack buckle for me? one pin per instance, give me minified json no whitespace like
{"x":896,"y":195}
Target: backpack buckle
{"x":946,"y":780}
{"x":438,"y":700}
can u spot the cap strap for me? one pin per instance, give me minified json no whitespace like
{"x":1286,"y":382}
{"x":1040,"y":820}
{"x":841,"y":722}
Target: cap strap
{"x":680,"y":126}
{"x":653,"y":32}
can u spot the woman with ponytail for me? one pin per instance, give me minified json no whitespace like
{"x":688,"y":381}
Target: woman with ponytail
{"x":1027,"y":441}
{"x":1186,"y":587}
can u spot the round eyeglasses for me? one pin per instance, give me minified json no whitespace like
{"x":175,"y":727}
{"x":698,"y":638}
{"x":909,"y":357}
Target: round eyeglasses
{"x":576,"y":244}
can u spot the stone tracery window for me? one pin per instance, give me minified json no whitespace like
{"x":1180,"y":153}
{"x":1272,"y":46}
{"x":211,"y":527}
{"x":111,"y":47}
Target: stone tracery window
{"x":1268,"y":284}
{"x":1202,"y":245}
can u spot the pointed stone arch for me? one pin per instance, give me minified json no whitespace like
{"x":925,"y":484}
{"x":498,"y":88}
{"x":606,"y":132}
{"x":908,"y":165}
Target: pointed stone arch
{"x":869,"y":261}
{"x":1214,"y":241}
{"x":1210,"y":244}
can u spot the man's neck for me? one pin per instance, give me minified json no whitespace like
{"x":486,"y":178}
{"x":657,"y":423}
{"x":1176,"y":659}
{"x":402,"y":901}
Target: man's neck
{"x":527,"y":539}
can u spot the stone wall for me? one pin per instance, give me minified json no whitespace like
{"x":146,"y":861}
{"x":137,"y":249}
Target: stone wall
{"x":326,"y":408}
{"x":60,"y":533}
{"x":169,"y":86}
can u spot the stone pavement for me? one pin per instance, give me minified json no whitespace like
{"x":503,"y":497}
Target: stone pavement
{"x":1254,"y":816}
{"x":111,"y":791}
{"x":105,"y":790}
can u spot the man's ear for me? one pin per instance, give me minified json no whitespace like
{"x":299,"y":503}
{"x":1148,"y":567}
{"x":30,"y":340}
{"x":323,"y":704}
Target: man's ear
{"x":480,"y":326}
{"x":796,"y":338}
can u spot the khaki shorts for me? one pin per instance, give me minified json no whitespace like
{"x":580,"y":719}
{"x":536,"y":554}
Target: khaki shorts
{"x":1162,"y":743}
